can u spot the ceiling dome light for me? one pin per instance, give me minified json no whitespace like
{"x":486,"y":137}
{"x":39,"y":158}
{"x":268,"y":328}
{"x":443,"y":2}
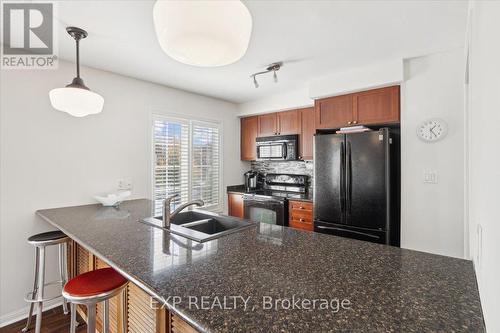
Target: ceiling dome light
{"x":203,"y":33}
{"x":76,"y":99}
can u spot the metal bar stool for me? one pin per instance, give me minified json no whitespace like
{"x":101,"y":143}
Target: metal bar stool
{"x":91,"y":288}
{"x":36,"y":296}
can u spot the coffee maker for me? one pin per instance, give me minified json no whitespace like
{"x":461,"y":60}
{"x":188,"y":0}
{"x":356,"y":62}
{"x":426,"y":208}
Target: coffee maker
{"x":250,"y":180}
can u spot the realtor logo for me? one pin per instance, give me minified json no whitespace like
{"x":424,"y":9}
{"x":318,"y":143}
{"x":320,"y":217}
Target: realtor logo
{"x":28,"y":35}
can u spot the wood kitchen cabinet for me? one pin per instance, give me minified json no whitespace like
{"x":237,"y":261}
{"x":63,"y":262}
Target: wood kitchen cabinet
{"x":371,"y":107}
{"x":300,"y":215}
{"x":249,"y":130}
{"x":377,"y":106}
{"x":333,"y":112}
{"x":279,"y":123}
{"x":308,"y":129}
{"x":268,"y":124}
{"x":289,"y":122}
{"x":235,"y":205}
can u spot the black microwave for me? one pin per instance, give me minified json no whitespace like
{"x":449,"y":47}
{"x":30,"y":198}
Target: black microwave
{"x":277,"y":148}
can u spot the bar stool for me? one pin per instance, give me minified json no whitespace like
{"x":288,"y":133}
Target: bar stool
{"x":91,"y":288}
{"x":40,"y":241}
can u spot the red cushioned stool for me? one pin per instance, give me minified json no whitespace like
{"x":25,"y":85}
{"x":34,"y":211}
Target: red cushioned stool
{"x":91,"y":288}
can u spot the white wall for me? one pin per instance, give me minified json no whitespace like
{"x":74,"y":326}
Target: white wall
{"x":51,"y":159}
{"x":432,"y":214}
{"x":369,"y":77}
{"x":484,"y":155}
{"x":292,"y":99}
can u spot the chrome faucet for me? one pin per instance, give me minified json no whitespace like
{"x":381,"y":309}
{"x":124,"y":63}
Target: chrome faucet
{"x":167,"y":216}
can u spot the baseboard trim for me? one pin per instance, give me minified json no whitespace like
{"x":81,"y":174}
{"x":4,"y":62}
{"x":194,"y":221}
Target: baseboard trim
{"x":21,"y":314}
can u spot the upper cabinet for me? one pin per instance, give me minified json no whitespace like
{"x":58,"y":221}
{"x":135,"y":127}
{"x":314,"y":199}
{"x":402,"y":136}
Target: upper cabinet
{"x":279,"y":123}
{"x":268,"y":124}
{"x":334,"y":112}
{"x":372,"y":107}
{"x":378,"y":106}
{"x":289,"y":122}
{"x":249,"y":128}
{"x":307,"y":134}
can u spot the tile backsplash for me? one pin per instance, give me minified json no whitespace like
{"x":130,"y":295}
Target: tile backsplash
{"x":291,"y":167}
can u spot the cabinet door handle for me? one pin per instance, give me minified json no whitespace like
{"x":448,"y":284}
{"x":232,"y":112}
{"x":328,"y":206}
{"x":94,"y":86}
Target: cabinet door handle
{"x":302,"y":220}
{"x":355,"y":122}
{"x":349,"y":122}
{"x":300,"y":207}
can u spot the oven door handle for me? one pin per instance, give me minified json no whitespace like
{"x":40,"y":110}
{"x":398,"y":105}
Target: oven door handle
{"x":247,"y":199}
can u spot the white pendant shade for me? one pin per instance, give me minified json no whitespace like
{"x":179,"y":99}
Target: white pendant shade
{"x":203,"y":33}
{"x":77,"y":102}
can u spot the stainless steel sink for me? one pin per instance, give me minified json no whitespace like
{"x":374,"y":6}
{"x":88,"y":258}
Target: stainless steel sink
{"x":201,"y":226}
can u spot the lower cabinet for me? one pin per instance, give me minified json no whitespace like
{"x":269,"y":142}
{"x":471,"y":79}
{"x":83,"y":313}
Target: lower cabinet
{"x":235,"y":205}
{"x":142,"y":314}
{"x":300,"y":215}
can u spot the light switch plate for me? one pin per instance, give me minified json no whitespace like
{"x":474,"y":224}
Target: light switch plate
{"x":431,"y":177}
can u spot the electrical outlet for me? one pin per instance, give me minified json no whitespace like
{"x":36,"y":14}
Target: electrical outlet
{"x":431,"y":177}
{"x":124,"y":184}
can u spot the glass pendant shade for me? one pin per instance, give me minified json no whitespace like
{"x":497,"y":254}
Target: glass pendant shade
{"x":203,"y":33}
{"x":76,"y":99}
{"x":77,"y":102}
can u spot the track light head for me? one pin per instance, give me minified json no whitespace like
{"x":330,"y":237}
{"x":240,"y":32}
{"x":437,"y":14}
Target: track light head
{"x":274,"y":67}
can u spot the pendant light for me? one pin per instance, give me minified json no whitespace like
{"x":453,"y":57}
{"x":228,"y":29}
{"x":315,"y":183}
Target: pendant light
{"x":76,"y":99}
{"x":203,"y":33}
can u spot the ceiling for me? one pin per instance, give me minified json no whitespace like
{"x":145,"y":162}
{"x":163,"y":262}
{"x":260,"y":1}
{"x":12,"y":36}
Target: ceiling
{"x":312,"y":38}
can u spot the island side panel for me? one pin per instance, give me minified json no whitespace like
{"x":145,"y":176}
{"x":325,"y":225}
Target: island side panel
{"x":140,"y":316}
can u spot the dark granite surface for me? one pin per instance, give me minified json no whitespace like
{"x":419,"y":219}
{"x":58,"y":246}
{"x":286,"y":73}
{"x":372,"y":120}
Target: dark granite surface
{"x":390,"y":289}
{"x":241,"y":189}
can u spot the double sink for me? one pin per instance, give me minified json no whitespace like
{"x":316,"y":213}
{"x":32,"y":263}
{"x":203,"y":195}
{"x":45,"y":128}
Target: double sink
{"x":201,"y":226}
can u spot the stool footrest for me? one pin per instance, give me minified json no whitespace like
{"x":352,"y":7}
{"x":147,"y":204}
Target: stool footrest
{"x":29,"y":296}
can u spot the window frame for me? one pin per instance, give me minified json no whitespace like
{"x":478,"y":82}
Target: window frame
{"x":190,"y":122}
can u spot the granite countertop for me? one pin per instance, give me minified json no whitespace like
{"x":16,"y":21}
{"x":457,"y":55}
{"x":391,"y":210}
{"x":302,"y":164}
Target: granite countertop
{"x":241,"y":189}
{"x":384,"y":289}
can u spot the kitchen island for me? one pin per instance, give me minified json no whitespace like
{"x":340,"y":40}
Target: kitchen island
{"x":250,"y":281}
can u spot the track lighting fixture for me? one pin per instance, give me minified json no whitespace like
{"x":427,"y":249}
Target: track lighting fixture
{"x":274,"y":67}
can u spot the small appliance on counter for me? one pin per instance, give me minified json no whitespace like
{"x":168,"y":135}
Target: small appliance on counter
{"x":251,"y":180}
{"x":277,"y":148}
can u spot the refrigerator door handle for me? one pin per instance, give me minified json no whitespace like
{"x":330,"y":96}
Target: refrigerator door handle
{"x":349,"y":231}
{"x":342,"y":178}
{"x":348,"y":177}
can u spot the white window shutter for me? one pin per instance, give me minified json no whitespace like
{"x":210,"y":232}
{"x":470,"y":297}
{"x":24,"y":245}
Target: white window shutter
{"x":171,"y":162}
{"x":205,"y":164}
{"x":186,"y":162}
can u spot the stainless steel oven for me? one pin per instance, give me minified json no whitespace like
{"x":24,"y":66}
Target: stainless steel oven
{"x":266,"y":209}
{"x":280,"y":147}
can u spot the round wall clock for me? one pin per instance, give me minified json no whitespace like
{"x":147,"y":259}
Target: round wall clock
{"x":431,"y":130}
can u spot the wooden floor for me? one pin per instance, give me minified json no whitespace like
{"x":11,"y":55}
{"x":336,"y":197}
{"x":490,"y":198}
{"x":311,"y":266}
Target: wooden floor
{"x":54,"y":321}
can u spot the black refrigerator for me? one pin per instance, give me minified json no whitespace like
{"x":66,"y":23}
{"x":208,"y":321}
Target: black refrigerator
{"x":353,"y":185}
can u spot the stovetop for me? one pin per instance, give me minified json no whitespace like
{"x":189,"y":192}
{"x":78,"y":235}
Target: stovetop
{"x":279,"y":186}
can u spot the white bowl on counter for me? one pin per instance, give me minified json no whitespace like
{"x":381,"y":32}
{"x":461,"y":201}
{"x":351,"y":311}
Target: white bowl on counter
{"x":112,"y":199}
